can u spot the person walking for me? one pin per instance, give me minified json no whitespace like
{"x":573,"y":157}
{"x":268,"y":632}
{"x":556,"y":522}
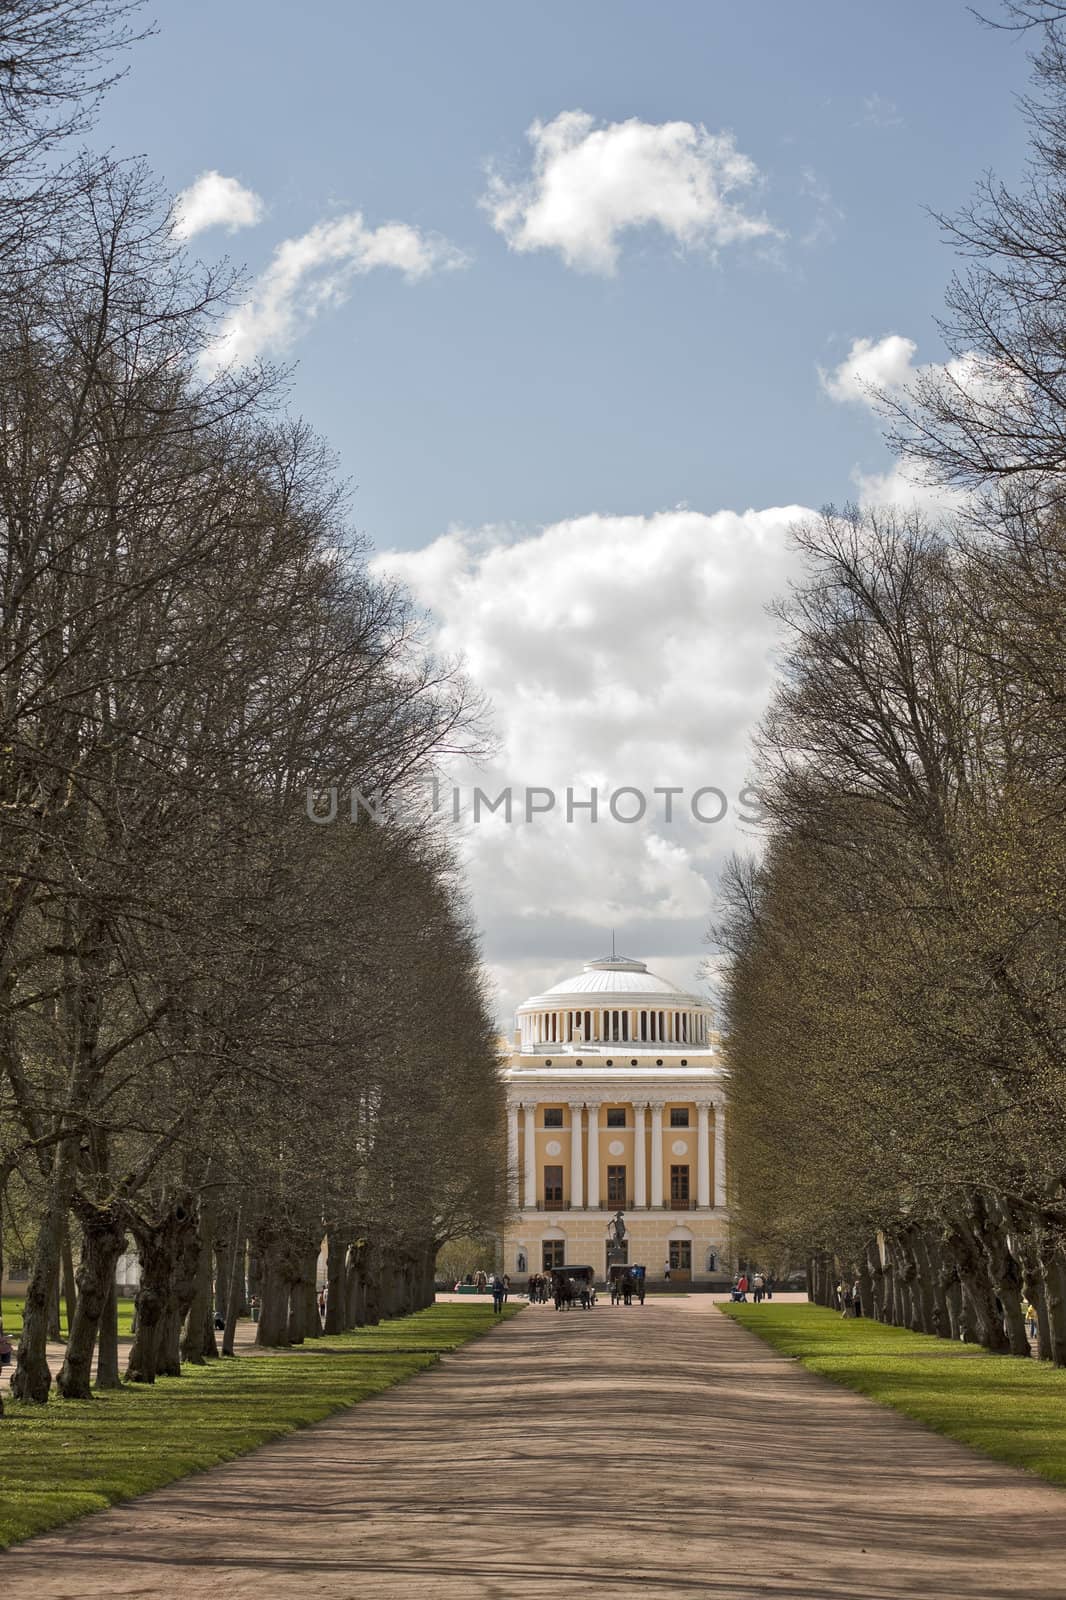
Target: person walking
{"x":1029,"y":1313}
{"x":758,"y":1286}
{"x":6,"y":1348}
{"x":498,"y":1294}
{"x":742,"y":1287}
{"x":322,"y":1307}
{"x":666,"y":1272}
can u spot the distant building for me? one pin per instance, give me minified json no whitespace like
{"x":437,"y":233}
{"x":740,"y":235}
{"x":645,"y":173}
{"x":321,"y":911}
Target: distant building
{"x":616,"y":1100}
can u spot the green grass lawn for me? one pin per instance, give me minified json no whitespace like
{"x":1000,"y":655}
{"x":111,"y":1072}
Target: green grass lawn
{"x":11,"y":1313}
{"x":74,"y":1456}
{"x":1002,"y":1406}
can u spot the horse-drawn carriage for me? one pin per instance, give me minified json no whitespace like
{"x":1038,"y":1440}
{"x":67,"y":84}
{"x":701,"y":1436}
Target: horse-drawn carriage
{"x":573,"y":1286}
{"x":626,"y":1283}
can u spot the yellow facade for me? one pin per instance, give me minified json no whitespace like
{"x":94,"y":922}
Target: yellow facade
{"x":600,"y":1124}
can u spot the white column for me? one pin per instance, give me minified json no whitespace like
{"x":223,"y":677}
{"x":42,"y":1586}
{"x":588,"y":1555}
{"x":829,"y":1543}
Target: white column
{"x":577,"y":1190}
{"x":530,"y":1156}
{"x":640,"y":1181}
{"x":657,"y":1152}
{"x":719,"y":1153}
{"x":594,"y":1156}
{"x":512,"y":1153}
{"x":703,"y":1164}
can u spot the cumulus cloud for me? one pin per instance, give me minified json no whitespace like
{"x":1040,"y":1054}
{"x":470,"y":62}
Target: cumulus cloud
{"x":314,"y":273}
{"x":886,"y":367}
{"x":876,"y":370}
{"x":617,"y":651}
{"x":214,"y":201}
{"x":589,"y":184}
{"x":871,"y":366}
{"x":907,"y":484}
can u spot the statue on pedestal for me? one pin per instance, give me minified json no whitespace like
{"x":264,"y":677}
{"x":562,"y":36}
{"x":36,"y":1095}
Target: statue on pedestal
{"x":616,"y":1235}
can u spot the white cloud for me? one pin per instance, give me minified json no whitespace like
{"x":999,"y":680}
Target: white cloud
{"x":876,"y":370}
{"x":589,"y":184}
{"x":907,"y":484}
{"x":886,"y":367}
{"x":315,"y":272}
{"x":214,"y":201}
{"x":871,"y":366}
{"x":616,"y":650}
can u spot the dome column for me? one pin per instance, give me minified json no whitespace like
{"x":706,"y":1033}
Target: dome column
{"x":530,"y":1161}
{"x":657,"y":1152}
{"x":640,"y":1178}
{"x":703,"y":1165}
{"x":594,"y":1155}
{"x":719,"y":1153}
{"x":576,"y":1175}
{"x":512,"y":1153}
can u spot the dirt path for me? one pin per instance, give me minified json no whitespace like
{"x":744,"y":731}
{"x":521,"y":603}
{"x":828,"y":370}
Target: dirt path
{"x":657,"y":1451}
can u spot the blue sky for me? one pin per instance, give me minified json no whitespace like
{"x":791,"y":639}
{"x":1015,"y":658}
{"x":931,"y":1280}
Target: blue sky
{"x":519,"y":391}
{"x":520,"y":426}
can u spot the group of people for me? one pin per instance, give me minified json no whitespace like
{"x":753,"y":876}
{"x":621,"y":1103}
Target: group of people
{"x":538,"y":1289}
{"x":849,"y":1298}
{"x":761,"y":1285}
{"x":499,"y":1286}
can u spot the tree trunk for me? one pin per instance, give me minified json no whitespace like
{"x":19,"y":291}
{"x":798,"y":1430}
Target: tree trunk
{"x":182,"y":1290}
{"x":273,"y":1328}
{"x":1024,"y":1224}
{"x":989,"y":1225}
{"x":70,"y":1292}
{"x":308,"y":1288}
{"x":299,"y":1323}
{"x":235,"y":1294}
{"x":371,"y":1286}
{"x":875,"y":1274}
{"x":107,"y":1374}
{"x":32,"y":1377}
{"x":983,"y":1319}
{"x":889,"y":1292}
{"x":1049,"y":1246}
{"x":158,"y":1243}
{"x":940,"y":1273}
{"x":103,"y":1231}
{"x":335,"y":1286}
{"x":198,"y":1343}
{"x":355,"y":1284}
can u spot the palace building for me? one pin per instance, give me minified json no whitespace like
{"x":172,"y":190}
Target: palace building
{"x":616,"y":1100}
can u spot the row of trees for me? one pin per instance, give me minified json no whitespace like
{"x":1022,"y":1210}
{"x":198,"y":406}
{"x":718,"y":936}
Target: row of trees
{"x":226,"y":1030}
{"x":896,"y":998}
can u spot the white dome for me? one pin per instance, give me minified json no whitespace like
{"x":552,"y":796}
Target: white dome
{"x":614,"y":975}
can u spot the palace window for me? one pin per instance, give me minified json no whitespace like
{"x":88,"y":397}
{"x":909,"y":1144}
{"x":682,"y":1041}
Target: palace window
{"x":553,"y":1186}
{"x":679,"y":1187}
{"x":554,"y":1254}
{"x":679,"y":1116}
{"x":553,"y":1116}
{"x":616,"y":1116}
{"x":616,"y":1186}
{"x":681,"y":1255}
